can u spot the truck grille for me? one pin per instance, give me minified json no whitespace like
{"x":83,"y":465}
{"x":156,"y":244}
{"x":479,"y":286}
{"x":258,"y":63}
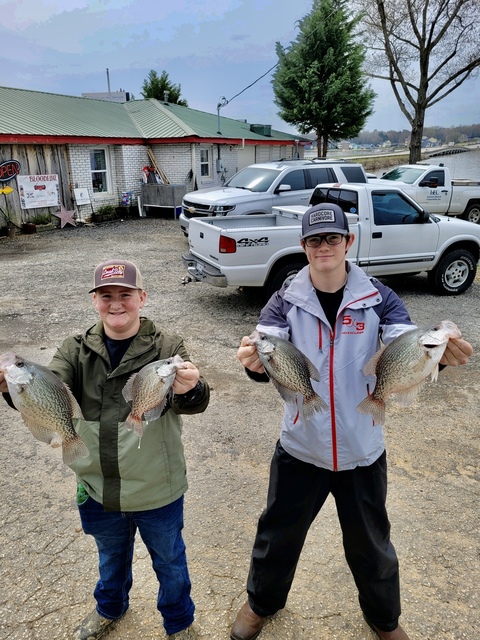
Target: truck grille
{"x":201,"y":210}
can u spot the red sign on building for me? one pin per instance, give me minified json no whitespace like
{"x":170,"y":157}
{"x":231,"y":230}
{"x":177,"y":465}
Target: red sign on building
{"x":8,"y":170}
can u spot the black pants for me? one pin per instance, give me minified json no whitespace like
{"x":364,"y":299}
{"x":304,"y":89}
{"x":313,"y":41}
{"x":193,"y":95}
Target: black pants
{"x":296,"y":493}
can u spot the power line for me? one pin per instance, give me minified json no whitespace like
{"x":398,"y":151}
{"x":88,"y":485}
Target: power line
{"x":223,"y":101}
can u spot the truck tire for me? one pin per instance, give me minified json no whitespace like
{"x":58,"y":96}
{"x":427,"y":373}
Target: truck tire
{"x":472,"y":213}
{"x":454,"y":273}
{"x":283,"y":277}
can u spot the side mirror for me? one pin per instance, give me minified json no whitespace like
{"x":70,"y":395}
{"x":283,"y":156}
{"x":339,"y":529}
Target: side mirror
{"x":283,"y":187}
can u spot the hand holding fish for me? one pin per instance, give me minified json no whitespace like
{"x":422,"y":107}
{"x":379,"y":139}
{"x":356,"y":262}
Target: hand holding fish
{"x":149,"y":390}
{"x":457,"y":352}
{"x":46,"y":404}
{"x":288,"y":368}
{"x":186,"y":378}
{"x":248,"y":356}
{"x":403,"y":366}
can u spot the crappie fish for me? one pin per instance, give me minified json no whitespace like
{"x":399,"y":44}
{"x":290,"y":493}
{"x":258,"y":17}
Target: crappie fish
{"x":290,"y":371}
{"x":148,"y":391}
{"x":45,"y":403}
{"x":403,"y":366}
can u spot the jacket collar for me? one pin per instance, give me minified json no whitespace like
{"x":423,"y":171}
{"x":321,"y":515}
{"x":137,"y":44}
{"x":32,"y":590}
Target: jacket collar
{"x":359,"y":290}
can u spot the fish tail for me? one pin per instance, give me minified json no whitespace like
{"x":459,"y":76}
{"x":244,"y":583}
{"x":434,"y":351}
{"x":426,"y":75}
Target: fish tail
{"x":313,"y":404}
{"x":73,"y":448}
{"x":374,"y":407}
{"x":134,"y":423}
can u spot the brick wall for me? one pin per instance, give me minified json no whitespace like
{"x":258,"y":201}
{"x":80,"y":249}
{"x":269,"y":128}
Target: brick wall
{"x":126,"y":163}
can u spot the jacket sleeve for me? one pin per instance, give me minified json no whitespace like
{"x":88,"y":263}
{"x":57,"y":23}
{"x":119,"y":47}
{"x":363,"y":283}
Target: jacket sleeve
{"x":393,"y":314}
{"x":196,"y":400}
{"x":272,"y":321}
{"x":64,"y":361}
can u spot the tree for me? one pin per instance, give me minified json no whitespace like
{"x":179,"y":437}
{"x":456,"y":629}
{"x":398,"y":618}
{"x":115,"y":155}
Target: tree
{"x":425,"y":49}
{"x":318,"y":83}
{"x":155,"y":86}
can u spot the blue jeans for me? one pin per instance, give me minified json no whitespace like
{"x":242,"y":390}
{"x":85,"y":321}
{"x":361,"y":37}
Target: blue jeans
{"x":161,"y":531}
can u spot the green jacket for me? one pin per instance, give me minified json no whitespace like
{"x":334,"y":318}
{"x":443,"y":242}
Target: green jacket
{"x":123,"y":472}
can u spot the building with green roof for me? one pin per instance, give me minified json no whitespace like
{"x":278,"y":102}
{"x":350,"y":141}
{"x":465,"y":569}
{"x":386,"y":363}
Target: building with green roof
{"x":108,"y":149}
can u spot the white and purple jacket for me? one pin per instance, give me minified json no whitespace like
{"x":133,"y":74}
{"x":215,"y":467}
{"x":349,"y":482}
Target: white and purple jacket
{"x":340,"y":438}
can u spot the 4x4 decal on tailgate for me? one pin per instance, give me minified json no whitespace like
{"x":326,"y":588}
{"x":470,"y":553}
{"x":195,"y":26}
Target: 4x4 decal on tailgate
{"x":254,"y":242}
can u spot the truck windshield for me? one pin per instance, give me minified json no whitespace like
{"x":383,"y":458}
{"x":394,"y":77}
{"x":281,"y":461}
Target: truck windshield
{"x":403,"y":174}
{"x":253,"y":178}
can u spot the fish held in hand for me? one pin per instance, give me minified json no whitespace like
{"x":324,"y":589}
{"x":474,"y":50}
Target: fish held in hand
{"x":46,"y":404}
{"x":290,"y":371}
{"x":148,"y":391}
{"x":403,"y":366}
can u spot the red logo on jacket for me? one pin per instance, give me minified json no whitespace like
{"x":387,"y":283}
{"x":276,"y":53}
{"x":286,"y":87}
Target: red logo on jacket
{"x":350,"y":325}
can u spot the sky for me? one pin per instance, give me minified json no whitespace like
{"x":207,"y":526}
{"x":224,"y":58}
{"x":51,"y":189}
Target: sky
{"x":212,"y":49}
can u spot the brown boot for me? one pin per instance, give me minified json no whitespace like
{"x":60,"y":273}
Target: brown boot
{"x":248,"y":625}
{"x":396,"y":634}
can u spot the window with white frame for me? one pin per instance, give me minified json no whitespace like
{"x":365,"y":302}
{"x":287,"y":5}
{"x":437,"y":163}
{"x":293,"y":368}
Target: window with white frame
{"x":204,"y":162}
{"x":100,"y":170}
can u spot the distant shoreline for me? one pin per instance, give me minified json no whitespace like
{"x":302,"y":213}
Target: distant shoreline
{"x":372,"y":162}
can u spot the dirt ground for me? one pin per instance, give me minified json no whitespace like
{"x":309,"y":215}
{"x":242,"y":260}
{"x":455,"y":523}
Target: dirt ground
{"x":48,"y":566}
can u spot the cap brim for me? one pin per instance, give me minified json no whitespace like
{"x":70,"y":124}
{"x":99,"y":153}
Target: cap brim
{"x":115,"y":284}
{"x":317,"y":232}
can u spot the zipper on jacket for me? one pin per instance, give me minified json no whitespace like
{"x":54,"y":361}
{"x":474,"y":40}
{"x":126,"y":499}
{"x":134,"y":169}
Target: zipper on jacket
{"x":331,"y":380}
{"x":332,"y":402}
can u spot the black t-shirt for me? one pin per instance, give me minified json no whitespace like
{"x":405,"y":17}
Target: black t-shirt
{"x":116,"y":349}
{"x":330,"y":303}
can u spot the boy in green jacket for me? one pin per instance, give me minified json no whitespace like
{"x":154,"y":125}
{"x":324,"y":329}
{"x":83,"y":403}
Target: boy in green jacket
{"x":122,"y":486}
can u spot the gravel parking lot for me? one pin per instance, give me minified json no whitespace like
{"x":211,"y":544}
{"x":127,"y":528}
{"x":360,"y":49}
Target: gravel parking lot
{"x":48,"y":568}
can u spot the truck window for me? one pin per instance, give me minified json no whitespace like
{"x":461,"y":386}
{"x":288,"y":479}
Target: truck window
{"x":435,"y":175}
{"x":391,"y":208}
{"x":296,"y":179}
{"x":354,"y":174}
{"x":346,"y":199}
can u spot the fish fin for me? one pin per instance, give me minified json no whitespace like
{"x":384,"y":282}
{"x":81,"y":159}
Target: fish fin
{"x":76,"y":411}
{"x":313,"y":404}
{"x":74,"y":448}
{"x":156,"y":412}
{"x":134,"y":423}
{"x":56,"y":441}
{"x":39,"y":432}
{"x":370,"y":368}
{"x":287,"y":395}
{"x":408,"y":396}
{"x":374,"y":407}
{"x":312,"y":369}
{"x":434,"y":374}
{"x":127,"y":391}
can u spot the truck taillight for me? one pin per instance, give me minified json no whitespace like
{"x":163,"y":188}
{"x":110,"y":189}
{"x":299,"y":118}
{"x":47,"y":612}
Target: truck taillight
{"x":227,"y":245}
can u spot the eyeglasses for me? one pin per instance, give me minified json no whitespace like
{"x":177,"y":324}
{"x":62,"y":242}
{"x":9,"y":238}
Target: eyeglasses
{"x":331,"y":238}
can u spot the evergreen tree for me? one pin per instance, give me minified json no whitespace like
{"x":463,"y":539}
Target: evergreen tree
{"x":318,"y":84}
{"x":155,"y":86}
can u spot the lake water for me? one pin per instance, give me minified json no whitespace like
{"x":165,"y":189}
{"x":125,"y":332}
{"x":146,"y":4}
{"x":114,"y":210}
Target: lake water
{"x":461,"y":165}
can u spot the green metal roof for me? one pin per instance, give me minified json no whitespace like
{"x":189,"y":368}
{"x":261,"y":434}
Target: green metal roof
{"x":35,"y":113}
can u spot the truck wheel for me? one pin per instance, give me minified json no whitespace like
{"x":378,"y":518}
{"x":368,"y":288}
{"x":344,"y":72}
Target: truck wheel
{"x":283,"y":277}
{"x":454,"y":273}
{"x":472,"y":213}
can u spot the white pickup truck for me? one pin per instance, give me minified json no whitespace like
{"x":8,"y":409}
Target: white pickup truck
{"x":393,"y":235}
{"x":434,"y":189}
